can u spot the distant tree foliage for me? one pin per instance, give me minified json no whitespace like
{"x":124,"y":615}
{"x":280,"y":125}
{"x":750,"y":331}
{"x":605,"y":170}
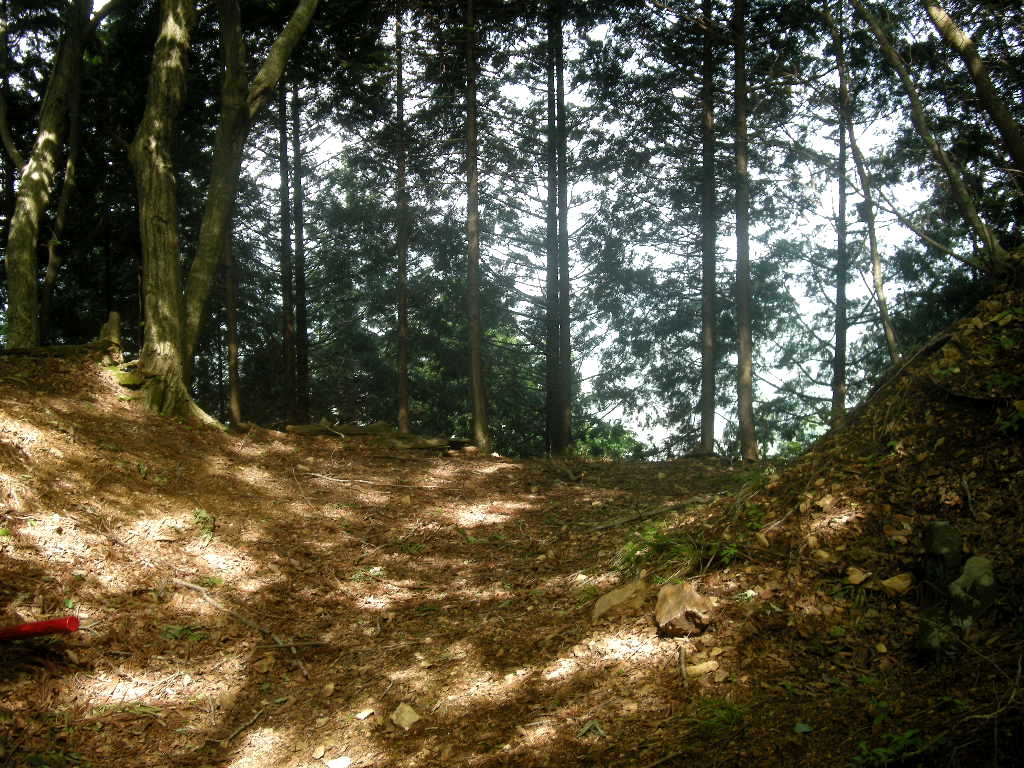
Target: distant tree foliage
{"x":313,"y":259}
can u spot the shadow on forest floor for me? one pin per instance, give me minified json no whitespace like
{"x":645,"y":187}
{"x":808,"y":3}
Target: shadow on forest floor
{"x":269,"y":599}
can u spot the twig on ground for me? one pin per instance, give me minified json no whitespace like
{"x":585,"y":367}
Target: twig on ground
{"x":368,"y":482}
{"x":645,"y":515}
{"x":666,"y":758}
{"x":682,"y":662}
{"x":241,"y":728}
{"x":239,"y":617}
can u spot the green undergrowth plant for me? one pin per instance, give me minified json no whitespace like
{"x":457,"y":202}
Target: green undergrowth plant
{"x":895,"y":748}
{"x":716,"y":717}
{"x":655,"y":546}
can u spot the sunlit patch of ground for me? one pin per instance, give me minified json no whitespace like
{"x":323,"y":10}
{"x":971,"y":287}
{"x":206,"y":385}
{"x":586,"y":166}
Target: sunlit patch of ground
{"x":269,"y":599}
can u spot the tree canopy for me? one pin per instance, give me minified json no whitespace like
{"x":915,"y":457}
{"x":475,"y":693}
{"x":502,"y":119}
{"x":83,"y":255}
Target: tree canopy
{"x":543,"y":227}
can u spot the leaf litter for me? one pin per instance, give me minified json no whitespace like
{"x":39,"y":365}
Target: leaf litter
{"x":241,"y":607}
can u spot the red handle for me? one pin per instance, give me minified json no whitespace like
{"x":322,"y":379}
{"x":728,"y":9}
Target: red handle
{"x":66,"y":624}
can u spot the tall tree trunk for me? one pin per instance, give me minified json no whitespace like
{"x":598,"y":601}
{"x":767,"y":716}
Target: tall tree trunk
{"x":402,"y":229}
{"x":239,"y":106}
{"x":842,"y":268}
{"x":709,"y":236}
{"x":552,"y":381}
{"x":150,"y":155}
{"x":565,"y":377}
{"x":231,"y":307}
{"x":867,"y":191}
{"x":285,"y":257}
{"x":53,"y":261}
{"x":36,"y":184}
{"x":996,"y":260}
{"x":745,"y":368}
{"x":964,"y":47}
{"x":478,"y":395}
{"x":301,"y":323}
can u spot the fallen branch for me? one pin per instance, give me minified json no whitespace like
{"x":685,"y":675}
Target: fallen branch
{"x":242,"y":619}
{"x":368,"y":482}
{"x":240,"y":728}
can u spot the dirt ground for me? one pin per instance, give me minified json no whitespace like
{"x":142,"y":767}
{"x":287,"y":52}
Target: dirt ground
{"x":267,"y":599}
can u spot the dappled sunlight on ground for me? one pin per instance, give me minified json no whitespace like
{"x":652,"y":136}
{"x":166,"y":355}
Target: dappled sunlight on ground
{"x":271,"y":600}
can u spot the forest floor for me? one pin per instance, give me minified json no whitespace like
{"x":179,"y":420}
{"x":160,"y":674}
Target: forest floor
{"x":272,"y":599}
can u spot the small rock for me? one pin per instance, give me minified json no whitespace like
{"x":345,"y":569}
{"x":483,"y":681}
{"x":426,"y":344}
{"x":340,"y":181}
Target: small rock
{"x":404,"y":716}
{"x":630,"y":596}
{"x":339,"y":762}
{"x":327,"y":690}
{"x":681,"y":610}
{"x":319,"y":751}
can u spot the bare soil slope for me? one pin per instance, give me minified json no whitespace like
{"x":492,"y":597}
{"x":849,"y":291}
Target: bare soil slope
{"x":270,"y":599}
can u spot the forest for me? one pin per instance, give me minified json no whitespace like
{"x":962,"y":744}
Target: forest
{"x":596,"y":227}
{"x":507,"y":383}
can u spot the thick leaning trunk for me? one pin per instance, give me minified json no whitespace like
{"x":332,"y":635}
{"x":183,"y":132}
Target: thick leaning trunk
{"x":961,"y":44}
{"x":745,"y":368}
{"x":709,"y":236}
{"x":997,"y":259}
{"x":36,"y":185}
{"x":478,"y":397}
{"x":239,"y":106}
{"x":53,"y":261}
{"x":161,"y":358}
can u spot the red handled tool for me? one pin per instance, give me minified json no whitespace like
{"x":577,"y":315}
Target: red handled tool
{"x":65,"y":625}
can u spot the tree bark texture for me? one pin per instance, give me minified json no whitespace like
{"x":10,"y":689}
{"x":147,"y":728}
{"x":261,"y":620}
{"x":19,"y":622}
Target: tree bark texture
{"x":231,"y":308}
{"x":964,"y":47}
{"x":478,"y":396}
{"x":745,"y":368}
{"x":709,"y":236}
{"x":565,"y":377}
{"x":239,"y":106}
{"x":285,"y":258}
{"x":867,"y":191}
{"x":301,"y":322}
{"x":996,"y":255}
{"x":150,"y":155}
{"x":53,"y":261}
{"x":402,"y":229}
{"x":842,"y":268}
{"x":552,"y":381}
{"x":36,"y":184}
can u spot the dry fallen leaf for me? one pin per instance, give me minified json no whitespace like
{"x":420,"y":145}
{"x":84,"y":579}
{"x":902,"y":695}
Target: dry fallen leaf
{"x":898,"y":584}
{"x":855,"y":575}
{"x":698,"y":670}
